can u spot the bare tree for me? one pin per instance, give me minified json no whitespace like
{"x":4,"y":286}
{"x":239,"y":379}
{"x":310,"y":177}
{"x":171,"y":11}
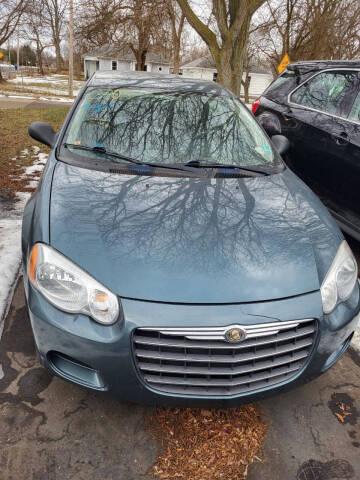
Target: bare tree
{"x":11,"y":12}
{"x":54,"y":15}
{"x":251,"y":58}
{"x":308,"y":30}
{"x":146,"y":19}
{"x":177,"y":20}
{"x":135,"y":23}
{"x":100,"y":22}
{"x":141,"y":19}
{"x":227,"y":43}
{"x":36,"y":31}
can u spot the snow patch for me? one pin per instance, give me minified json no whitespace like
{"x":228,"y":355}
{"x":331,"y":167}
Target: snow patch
{"x":355,"y":342}
{"x":10,"y":232}
{"x":20,"y":96}
{"x":9,"y":257}
{"x":56,"y":84}
{"x":57,"y":99}
{"x":46,"y":99}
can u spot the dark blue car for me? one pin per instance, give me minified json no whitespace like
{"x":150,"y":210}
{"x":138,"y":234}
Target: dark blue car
{"x":170,"y":257}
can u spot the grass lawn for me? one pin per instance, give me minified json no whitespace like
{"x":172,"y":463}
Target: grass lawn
{"x":36,"y":90}
{"x":14,"y":139}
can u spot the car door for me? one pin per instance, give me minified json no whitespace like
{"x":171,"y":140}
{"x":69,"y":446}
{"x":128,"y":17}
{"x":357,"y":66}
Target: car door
{"x":316,"y":124}
{"x":351,"y":164}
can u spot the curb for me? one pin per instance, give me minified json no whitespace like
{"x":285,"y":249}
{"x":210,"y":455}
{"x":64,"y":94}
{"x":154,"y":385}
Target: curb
{"x":10,"y":296}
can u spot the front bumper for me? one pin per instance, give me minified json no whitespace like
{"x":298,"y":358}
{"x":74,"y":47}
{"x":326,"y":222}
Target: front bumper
{"x":100,"y":357}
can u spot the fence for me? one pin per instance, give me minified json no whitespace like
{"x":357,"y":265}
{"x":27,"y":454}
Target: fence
{"x":7,"y":71}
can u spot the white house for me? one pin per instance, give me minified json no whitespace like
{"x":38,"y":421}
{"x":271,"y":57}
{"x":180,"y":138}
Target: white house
{"x":110,"y":57}
{"x":205,"y":69}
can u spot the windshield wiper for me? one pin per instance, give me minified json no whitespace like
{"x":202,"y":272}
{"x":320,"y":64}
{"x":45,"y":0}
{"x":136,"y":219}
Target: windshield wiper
{"x":198,"y":164}
{"x":103,"y":150}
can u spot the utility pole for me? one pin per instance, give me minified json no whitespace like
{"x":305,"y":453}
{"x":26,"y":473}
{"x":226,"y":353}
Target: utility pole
{"x":18,"y":50}
{"x":71,"y":58}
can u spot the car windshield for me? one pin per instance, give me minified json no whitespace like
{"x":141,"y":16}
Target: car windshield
{"x":168,"y":128}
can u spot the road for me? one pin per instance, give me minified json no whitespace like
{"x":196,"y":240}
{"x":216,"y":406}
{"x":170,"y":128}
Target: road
{"x":50,"y":429}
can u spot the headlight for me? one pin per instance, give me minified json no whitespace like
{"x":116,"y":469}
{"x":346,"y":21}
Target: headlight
{"x":340,"y":279}
{"x":68,"y":287}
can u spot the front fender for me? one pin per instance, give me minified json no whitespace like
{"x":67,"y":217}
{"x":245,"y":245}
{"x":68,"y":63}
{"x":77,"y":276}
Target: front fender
{"x":36,"y":216}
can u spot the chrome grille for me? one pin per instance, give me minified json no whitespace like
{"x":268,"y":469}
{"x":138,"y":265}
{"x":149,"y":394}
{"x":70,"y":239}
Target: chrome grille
{"x":199,"y":361}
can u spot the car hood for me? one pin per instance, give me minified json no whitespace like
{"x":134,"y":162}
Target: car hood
{"x":186,"y":240}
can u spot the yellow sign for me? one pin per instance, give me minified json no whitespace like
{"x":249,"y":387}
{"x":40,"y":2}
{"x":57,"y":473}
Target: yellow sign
{"x":283,"y":64}
{"x":1,"y":54}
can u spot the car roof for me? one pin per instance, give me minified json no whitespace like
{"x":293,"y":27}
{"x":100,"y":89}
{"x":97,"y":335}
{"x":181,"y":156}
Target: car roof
{"x":323,"y":64}
{"x":157,"y":81}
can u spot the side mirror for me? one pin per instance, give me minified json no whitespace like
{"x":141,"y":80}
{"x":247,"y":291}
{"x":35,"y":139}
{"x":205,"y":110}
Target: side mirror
{"x":43,"y":133}
{"x":280,"y":143}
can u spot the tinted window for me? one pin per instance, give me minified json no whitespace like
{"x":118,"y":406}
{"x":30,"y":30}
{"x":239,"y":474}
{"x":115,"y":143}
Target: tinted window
{"x":355,"y":110}
{"x":282,"y":78}
{"x":328,"y":92}
{"x":282,"y":85}
{"x":171,"y":127}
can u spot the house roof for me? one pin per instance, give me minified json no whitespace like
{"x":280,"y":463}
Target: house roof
{"x":208,"y":62}
{"x":124,"y":52}
{"x":202,"y":62}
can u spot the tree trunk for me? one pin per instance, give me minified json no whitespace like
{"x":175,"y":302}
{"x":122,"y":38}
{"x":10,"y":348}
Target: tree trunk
{"x":39,"y":59}
{"x":230,"y":62}
{"x":140,"y":56}
{"x":246,"y":85}
{"x":58,"y":56}
{"x":177,"y":58}
{"x":228,"y":48}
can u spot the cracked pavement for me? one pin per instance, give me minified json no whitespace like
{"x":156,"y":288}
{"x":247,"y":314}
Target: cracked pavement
{"x":51,"y":429}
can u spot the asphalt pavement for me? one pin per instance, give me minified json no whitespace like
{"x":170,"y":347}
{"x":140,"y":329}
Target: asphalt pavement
{"x":51,"y":429}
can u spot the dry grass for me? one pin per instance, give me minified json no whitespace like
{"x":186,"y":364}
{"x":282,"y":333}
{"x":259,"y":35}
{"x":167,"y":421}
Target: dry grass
{"x":14,"y":139}
{"x":27,"y":89}
{"x":199,"y":444}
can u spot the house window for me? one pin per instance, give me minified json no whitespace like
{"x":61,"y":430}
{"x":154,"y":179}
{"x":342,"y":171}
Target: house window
{"x":215,"y":76}
{"x":114,"y":65}
{"x":145,"y":68}
{"x":160,"y":69}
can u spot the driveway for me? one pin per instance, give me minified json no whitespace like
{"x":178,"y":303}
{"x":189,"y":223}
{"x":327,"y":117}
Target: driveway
{"x":50,"y":429}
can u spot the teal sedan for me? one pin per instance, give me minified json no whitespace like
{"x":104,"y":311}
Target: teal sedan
{"x":170,"y":257}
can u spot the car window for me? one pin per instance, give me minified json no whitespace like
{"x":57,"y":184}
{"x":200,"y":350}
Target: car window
{"x":163,"y":127}
{"x":355,"y":110}
{"x":282,"y":85}
{"x":328,"y":92}
{"x":282,"y":78}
